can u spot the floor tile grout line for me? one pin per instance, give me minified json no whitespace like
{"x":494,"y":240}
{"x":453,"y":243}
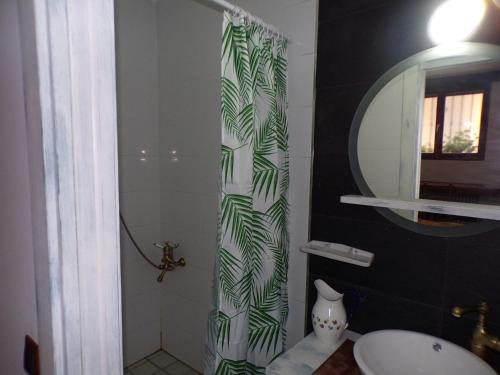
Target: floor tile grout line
{"x":161,"y":369}
{"x":157,"y":366}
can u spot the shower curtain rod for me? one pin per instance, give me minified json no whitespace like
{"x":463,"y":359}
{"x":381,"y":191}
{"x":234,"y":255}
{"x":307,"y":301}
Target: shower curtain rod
{"x":233,"y":8}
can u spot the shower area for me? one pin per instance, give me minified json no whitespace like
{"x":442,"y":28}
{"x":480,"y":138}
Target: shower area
{"x":168,"y":59}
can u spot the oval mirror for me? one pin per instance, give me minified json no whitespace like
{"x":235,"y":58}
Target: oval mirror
{"x":429,"y":128}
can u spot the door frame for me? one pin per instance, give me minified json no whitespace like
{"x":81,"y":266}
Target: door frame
{"x":70,"y":89}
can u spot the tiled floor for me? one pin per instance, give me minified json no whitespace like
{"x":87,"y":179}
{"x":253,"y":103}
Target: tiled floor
{"x":160,"y":363}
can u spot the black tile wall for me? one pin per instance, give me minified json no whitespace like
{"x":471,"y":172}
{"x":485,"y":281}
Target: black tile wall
{"x":415,"y":279}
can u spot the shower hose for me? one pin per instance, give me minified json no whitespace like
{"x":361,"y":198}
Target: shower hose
{"x":136,"y":245}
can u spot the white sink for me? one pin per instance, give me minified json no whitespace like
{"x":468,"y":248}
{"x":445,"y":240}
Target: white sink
{"x":394,"y":352}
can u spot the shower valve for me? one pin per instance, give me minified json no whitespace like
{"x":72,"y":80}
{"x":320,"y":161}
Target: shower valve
{"x":168,"y":263}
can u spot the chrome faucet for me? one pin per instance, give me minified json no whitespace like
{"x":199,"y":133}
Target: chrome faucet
{"x":168,"y":263}
{"x":481,"y":340}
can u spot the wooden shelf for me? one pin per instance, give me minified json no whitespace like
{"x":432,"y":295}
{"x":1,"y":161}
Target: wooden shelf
{"x":481,"y":211}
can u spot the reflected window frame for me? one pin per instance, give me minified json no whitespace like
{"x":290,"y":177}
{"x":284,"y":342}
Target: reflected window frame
{"x":441,"y":95}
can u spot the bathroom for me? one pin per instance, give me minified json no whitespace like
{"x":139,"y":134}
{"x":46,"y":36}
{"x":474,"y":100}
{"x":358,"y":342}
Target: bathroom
{"x":172,"y":158}
{"x":175,"y":151}
{"x":415,"y":265}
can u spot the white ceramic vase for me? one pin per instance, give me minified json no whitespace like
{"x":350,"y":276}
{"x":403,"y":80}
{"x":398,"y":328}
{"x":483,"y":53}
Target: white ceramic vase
{"x":328,"y":314}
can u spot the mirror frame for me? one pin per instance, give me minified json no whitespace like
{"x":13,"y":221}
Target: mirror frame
{"x":491,"y":51}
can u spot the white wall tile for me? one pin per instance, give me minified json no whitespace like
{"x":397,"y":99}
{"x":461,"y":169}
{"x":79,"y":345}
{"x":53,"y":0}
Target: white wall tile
{"x":140,"y":343}
{"x":300,"y":131}
{"x":140,"y":208}
{"x":135,"y":138}
{"x":190,"y":282}
{"x":138,"y":278}
{"x":295,"y":324}
{"x":299,"y":225}
{"x":182,"y":174}
{"x":185,"y":313}
{"x":145,"y":236}
{"x":142,"y":311}
{"x":195,"y":137}
{"x":141,"y":326}
{"x":301,"y":86}
{"x":203,"y":92}
{"x":180,"y":212}
{"x":197,"y":23}
{"x":138,"y":175}
{"x":300,"y":181}
{"x":137,"y":63}
{"x":298,"y":21}
{"x":200,"y":249}
{"x":190,"y":174}
{"x":185,"y":346}
{"x":297,"y":276}
{"x":208,"y":209}
{"x":297,"y":271}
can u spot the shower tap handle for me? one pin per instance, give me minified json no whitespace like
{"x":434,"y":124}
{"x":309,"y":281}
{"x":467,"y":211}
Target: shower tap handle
{"x":166,"y":244}
{"x":162,"y":274}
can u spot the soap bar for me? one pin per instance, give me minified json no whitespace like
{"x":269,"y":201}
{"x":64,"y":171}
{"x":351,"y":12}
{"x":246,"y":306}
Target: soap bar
{"x":341,"y":362}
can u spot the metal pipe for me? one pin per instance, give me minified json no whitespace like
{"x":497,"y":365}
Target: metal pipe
{"x":224,"y":4}
{"x":233,"y":8}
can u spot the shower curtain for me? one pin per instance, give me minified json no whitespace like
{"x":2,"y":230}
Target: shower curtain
{"x":247,"y":326}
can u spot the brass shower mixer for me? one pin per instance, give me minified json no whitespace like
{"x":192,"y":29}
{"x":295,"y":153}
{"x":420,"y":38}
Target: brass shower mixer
{"x":168,"y":263}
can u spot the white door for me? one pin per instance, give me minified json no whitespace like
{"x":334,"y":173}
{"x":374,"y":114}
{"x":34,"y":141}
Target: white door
{"x":69,"y":82}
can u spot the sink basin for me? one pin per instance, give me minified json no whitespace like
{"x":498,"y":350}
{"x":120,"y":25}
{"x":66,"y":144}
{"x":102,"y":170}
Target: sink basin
{"x":394,"y":352}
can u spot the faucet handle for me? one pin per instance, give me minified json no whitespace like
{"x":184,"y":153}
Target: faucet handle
{"x":482,"y":309}
{"x":166,"y":244}
{"x":162,"y":274}
{"x":181,"y":262}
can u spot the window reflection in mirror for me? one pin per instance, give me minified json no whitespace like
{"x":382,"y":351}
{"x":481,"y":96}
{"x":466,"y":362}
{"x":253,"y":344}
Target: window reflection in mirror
{"x":460,"y":139}
{"x":461,"y":116}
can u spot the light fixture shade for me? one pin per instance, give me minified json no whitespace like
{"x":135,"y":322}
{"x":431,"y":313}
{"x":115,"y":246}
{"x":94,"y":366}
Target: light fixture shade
{"x":455,"y":20}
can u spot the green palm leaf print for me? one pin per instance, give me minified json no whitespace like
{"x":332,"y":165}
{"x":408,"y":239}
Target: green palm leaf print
{"x":264,"y":329}
{"x":228,"y":269}
{"x":223,"y":328}
{"x":241,"y":367}
{"x":237,"y":219}
{"x":247,"y":328}
{"x":265,"y":176}
{"x":229,"y":106}
{"x":227,"y":158}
